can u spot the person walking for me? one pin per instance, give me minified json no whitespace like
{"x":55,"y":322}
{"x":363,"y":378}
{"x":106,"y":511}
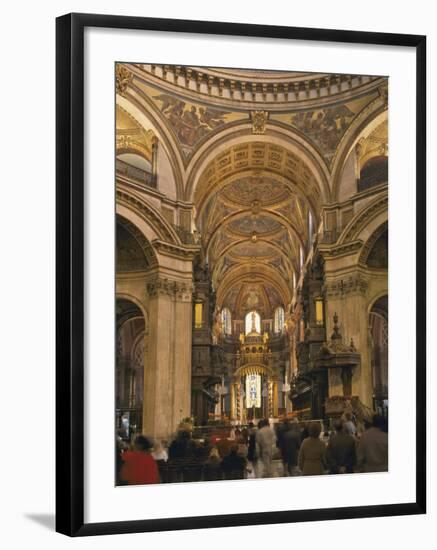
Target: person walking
{"x":372,"y":451}
{"x":266,"y":442}
{"x":312,"y":453}
{"x":289,"y":446}
{"x":340,"y":452}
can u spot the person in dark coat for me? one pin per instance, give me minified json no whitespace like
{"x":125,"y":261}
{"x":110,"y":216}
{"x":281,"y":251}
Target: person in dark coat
{"x":289,"y":445}
{"x":341,"y":452}
{"x":234,"y":465}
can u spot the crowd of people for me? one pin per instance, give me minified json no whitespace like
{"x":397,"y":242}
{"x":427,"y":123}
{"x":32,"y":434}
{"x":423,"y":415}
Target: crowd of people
{"x":289,"y":448}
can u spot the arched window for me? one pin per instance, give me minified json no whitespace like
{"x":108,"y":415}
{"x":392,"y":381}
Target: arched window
{"x":253,"y":322}
{"x":226,"y":321}
{"x":279,"y":320}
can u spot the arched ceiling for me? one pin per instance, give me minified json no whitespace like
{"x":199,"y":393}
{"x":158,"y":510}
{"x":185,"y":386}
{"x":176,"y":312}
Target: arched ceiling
{"x":253,"y":226}
{"x":255,"y":150}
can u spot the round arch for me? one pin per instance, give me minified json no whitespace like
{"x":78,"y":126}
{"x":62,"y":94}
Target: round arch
{"x":280,"y":218}
{"x":365,"y":122}
{"x":374,"y":299}
{"x":244,"y":271}
{"x":276,"y":135}
{"x":368,"y":245}
{"x":142,"y":241}
{"x":131,"y":298}
{"x":274,"y":245}
{"x":366,"y":221}
{"x":150,"y":222}
{"x":147,"y":115}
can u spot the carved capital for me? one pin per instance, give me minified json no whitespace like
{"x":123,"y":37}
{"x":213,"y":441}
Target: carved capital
{"x":353,"y":284}
{"x":162,"y":286}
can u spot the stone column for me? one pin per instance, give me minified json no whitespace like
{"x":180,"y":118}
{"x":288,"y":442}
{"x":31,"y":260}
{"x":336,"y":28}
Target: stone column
{"x":167,"y":369}
{"x":347,"y":296}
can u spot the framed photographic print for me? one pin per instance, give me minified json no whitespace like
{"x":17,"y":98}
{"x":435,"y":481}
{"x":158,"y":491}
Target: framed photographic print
{"x":240,"y":274}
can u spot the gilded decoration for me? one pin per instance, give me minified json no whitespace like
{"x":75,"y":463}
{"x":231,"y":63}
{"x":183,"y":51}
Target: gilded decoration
{"x":325,"y":127}
{"x":123,"y":78}
{"x":190,"y":122}
{"x":255,"y":169}
{"x":259,"y":121}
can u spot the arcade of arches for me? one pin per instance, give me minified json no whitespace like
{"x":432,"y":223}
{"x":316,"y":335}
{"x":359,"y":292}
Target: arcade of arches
{"x":252,"y":245}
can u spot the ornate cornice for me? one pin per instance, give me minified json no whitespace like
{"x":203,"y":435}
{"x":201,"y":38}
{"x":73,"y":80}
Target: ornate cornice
{"x":176,"y":251}
{"x":162,"y":286}
{"x":277,"y":90}
{"x":340,"y":250}
{"x":363,"y":217}
{"x":147,"y":212}
{"x":353,"y":284}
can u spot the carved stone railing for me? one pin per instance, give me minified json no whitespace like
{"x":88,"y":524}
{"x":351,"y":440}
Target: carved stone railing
{"x":134,"y":173}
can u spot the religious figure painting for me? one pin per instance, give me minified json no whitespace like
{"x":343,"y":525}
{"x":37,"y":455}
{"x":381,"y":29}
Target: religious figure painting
{"x":251,"y":274}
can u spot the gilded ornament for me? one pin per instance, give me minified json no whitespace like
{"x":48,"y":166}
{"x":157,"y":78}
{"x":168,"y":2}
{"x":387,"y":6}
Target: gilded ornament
{"x":259,"y":121}
{"x":123,"y":77}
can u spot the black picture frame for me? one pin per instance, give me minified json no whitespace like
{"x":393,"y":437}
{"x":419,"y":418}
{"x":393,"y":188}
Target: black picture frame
{"x":70,"y":273}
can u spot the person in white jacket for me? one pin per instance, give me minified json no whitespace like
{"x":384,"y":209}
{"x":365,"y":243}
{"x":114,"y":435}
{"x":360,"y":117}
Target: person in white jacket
{"x":265,"y":442}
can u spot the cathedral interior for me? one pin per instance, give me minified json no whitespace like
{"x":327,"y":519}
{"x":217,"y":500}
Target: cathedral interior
{"x":251,"y":246}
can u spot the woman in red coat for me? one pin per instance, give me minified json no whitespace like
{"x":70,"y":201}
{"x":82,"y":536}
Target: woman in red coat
{"x":139,"y":466}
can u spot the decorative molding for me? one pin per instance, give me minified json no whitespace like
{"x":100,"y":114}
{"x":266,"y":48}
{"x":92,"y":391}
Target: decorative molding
{"x":259,"y":121}
{"x":363,"y":217}
{"x":162,"y":286}
{"x":176,"y":251}
{"x":371,"y":241}
{"x":123,"y":78}
{"x":353,"y":284}
{"x":150,"y":215}
{"x":277,"y":89}
{"x":341,"y":250}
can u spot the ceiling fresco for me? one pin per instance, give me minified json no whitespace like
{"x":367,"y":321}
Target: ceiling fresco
{"x":265,"y":190}
{"x":325,"y":127}
{"x":192,"y":121}
{"x":261,"y":224}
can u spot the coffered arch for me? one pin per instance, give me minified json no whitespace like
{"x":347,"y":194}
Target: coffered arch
{"x":247,"y":272}
{"x":295,"y":152}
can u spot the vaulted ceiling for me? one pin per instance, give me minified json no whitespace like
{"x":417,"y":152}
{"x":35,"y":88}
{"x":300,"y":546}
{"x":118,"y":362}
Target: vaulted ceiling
{"x":253,"y":198}
{"x":253,"y":230}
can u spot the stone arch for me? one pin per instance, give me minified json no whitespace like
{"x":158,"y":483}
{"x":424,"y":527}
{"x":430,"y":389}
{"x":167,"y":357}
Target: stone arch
{"x":364,"y":123}
{"x":277,"y":216}
{"x":289,"y":140}
{"x":123,"y":295}
{"x":374,"y":299}
{"x":150,"y":222}
{"x":267,"y":274}
{"x":146,"y":114}
{"x":143,"y":243}
{"x":366,"y":220}
{"x":368,"y":246}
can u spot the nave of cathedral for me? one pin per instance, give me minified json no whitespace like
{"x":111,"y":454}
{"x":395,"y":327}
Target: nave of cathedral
{"x":251,"y":248}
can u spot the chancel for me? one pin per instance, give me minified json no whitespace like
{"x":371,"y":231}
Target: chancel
{"x":251,"y":249}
